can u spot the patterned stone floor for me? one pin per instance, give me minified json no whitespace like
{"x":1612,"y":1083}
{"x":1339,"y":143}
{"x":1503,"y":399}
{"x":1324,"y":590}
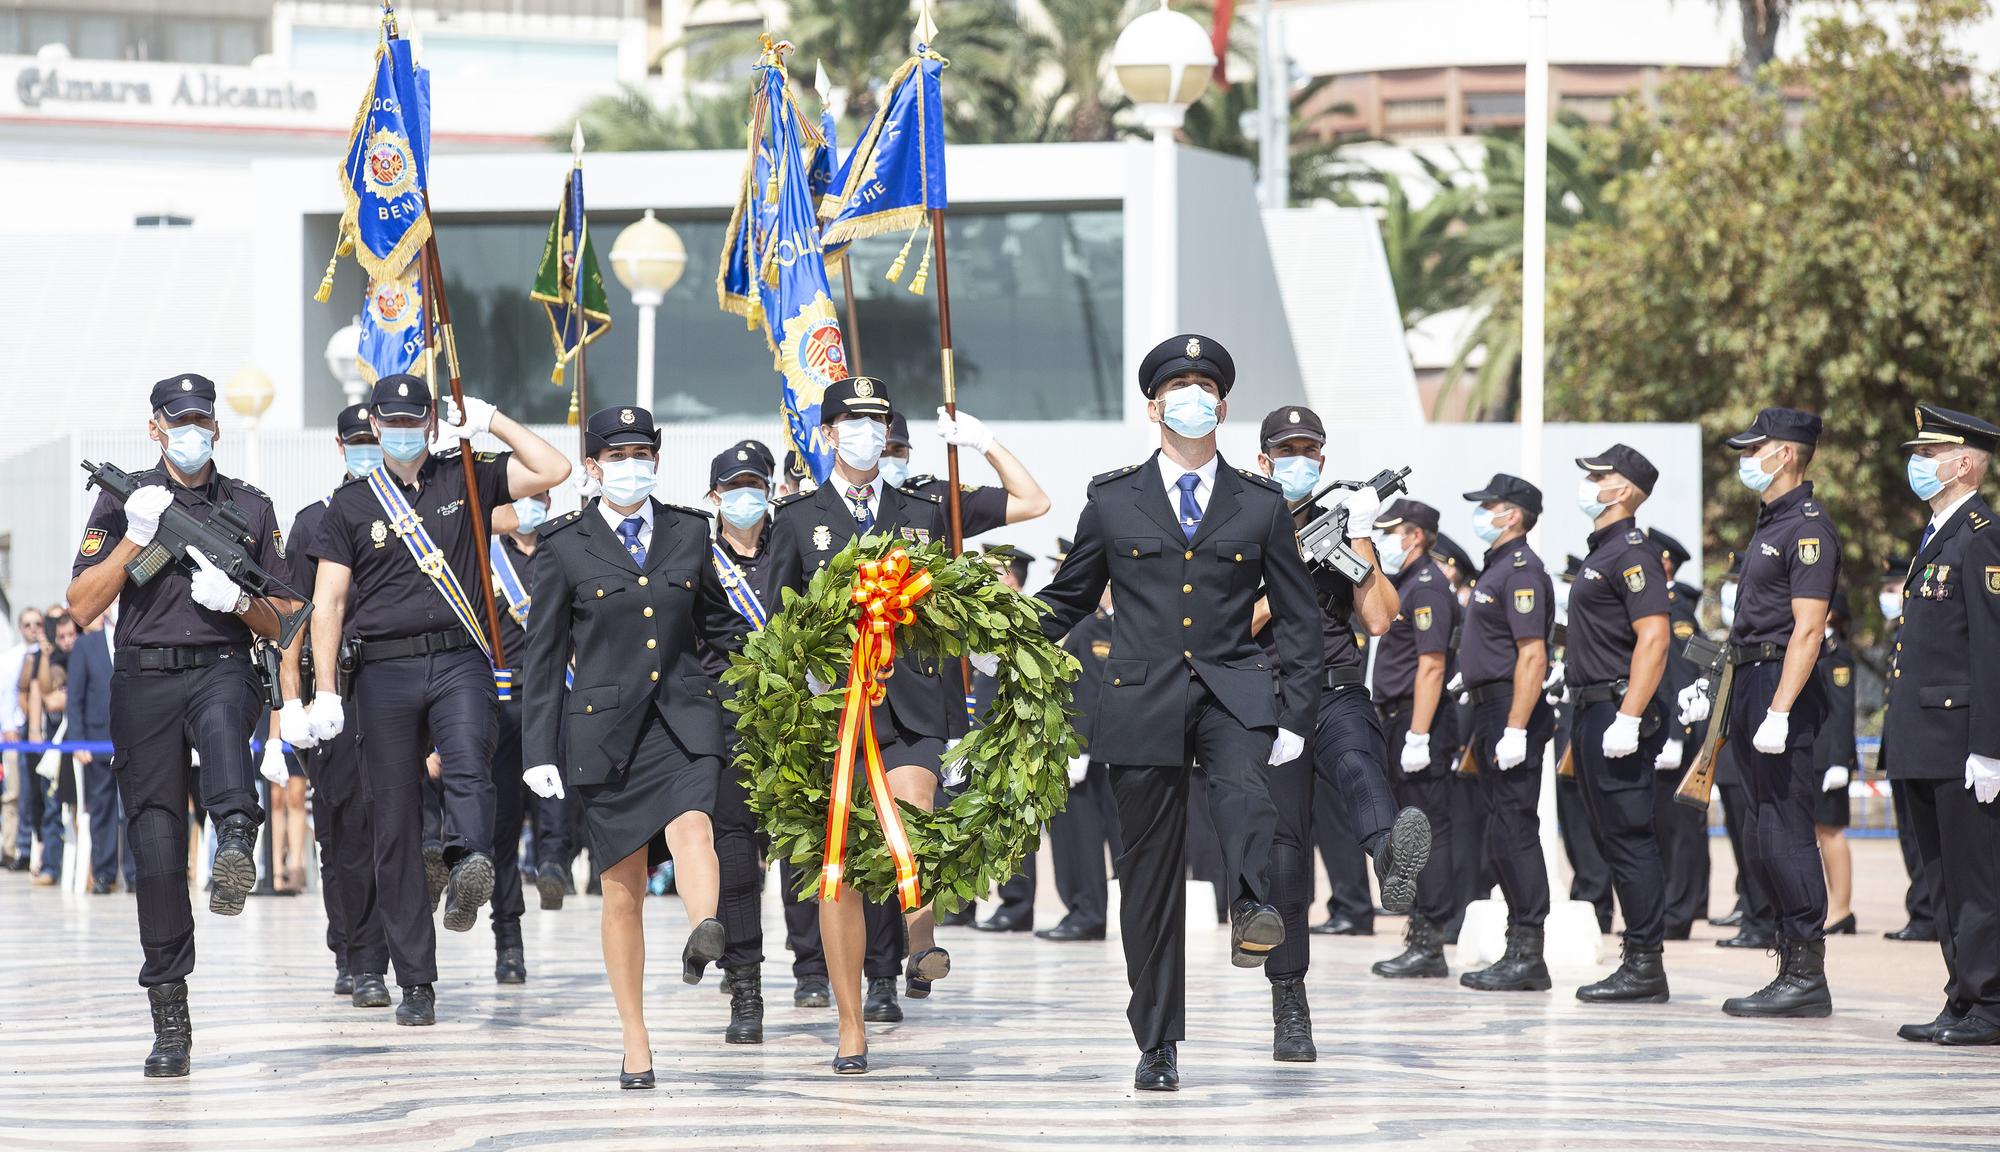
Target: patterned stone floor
{"x":1024,"y":1047}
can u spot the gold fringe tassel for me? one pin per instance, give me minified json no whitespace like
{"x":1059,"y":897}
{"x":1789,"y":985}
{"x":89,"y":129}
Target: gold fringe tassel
{"x":572,"y":408}
{"x":923,"y":276}
{"x":325,"y":290}
{"x":903,"y":257}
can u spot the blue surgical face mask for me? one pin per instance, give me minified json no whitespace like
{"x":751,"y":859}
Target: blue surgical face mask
{"x":190,"y":446}
{"x":628,"y":481}
{"x":1923,"y":474}
{"x":894,"y":470}
{"x":1750,"y":470}
{"x":1892,"y":605}
{"x":1298,"y":475}
{"x":1587,"y":498}
{"x":362,"y":459}
{"x":1189,"y":410}
{"x":531,"y":513}
{"x":744,"y":507}
{"x":404,"y":444}
{"x":1390,"y":553}
{"x":861,"y":443}
{"x":1483,"y":525}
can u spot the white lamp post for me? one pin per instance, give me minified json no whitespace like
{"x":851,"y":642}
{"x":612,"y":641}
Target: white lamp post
{"x":249,"y":394}
{"x":343,"y":352}
{"x":647,"y":258}
{"x":1163,"y":60}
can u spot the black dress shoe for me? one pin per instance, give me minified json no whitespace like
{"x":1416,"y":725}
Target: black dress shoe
{"x":1750,"y":936}
{"x":173,"y":1030}
{"x":1733,"y":919}
{"x":746,"y":1005}
{"x":881,"y":1006}
{"x":704,"y":947}
{"x":1927,"y":1032}
{"x":436,"y":875}
{"x":1070,"y":928}
{"x":17,"y":864}
{"x":1969,"y":1032}
{"x":549,"y":884}
{"x":811,"y":994}
{"x":470,"y":886}
{"x":100,"y":887}
{"x":1921,"y":932}
{"x":851,"y":1065}
{"x":510,"y":966}
{"x":962,"y":918}
{"x":343,"y":981}
{"x":1344,"y":925}
{"x":1254,"y":929}
{"x":370,"y":991}
{"x":1291,"y":1023}
{"x":924,"y":968}
{"x":1158,"y":1071}
{"x":634,"y":1080}
{"x":1641,"y":978}
{"x":1004,"y":921}
{"x":419,"y":1006}
{"x":1842,"y":927}
{"x":234,"y":872}
{"x":1400,"y":856}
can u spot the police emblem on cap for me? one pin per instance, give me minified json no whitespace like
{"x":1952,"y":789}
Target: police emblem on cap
{"x":1292,"y":416}
{"x":1635,"y":578}
{"x":1809,"y":551}
{"x":742,"y":455}
{"x":187,"y":385}
{"x":1194,"y":352}
{"x":1524,"y":600}
{"x":625,"y":416}
{"x":822,"y":538}
{"x":1423,"y":619}
{"x":863,"y":388}
{"x":402,"y":389}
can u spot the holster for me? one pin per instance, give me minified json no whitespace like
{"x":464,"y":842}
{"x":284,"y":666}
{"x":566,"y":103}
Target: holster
{"x":350,"y":659}
{"x":267,"y":656}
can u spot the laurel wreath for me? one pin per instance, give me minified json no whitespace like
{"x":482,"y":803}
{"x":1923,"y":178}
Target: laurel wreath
{"x":1014,"y":761}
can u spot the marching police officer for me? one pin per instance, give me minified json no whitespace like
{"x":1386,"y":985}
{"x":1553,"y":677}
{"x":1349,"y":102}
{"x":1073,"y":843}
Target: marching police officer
{"x":1504,"y":658}
{"x":340,"y":811}
{"x":1184,"y":541}
{"x":1942,"y":736}
{"x":184,"y":683}
{"x":1618,"y":636}
{"x":982,"y":508}
{"x":399,"y":560}
{"x":1790,"y":569}
{"x":1346,"y":756}
{"x":1681,"y":829}
{"x":1412,"y":665}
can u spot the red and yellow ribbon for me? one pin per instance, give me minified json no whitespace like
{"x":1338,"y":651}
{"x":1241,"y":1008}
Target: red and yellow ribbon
{"x":883,"y":590}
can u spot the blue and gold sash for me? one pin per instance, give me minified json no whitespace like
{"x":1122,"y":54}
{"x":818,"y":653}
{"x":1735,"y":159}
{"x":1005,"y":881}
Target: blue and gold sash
{"x":405,"y":523}
{"x":737,"y":587}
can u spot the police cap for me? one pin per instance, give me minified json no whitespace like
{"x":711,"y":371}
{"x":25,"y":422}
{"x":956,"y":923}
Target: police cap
{"x":1447,"y":552}
{"x":188,"y":395}
{"x":1627,"y":462}
{"x":1292,"y":422}
{"x":1778,"y":424}
{"x":1511,"y":489}
{"x":400,"y":394}
{"x":744,"y":458}
{"x":855,"y":396}
{"x":609,"y":427}
{"x":1187,"y":354}
{"x":1404,"y":511}
{"x":795,"y":465}
{"x":899,"y":431}
{"x":353,"y":422}
{"x":1943,"y":426}
{"x":1675,"y":552}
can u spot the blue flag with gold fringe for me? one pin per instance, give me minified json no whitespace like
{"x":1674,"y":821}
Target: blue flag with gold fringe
{"x":392,"y":325}
{"x":804,"y":328}
{"x":384,"y":172}
{"x":895,"y":175}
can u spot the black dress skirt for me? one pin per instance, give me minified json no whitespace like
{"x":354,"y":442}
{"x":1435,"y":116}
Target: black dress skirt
{"x":661,"y":783}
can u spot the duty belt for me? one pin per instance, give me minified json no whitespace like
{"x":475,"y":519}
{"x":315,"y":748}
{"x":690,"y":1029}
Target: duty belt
{"x":1599,"y":693}
{"x":1740,"y":654}
{"x":1491,"y":690}
{"x":422,"y":644}
{"x":173,"y":659}
{"x":1345,"y":676}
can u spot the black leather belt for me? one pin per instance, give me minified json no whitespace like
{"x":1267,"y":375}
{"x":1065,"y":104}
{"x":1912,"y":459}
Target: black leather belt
{"x":1491,"y":690}
{"x":1608,"y":690}
{"x":422,"y":644}
{"x":1345,"y":676}
{"x":173,"y":659}
{"x":1740,"y":654}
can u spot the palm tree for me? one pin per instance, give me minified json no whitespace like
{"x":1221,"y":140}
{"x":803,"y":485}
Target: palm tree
{"x":1319,"y":171}
{"x":631,"y":122}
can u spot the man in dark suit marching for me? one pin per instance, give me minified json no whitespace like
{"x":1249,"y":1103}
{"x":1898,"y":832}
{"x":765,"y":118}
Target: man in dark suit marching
{"x":1187,"y":543}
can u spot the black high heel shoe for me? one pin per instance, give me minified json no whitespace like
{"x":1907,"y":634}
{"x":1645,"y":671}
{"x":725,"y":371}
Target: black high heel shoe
{"x":634,"y":1079}
{"x":704,"y":947}
{"x":1842,"y":927}
{"x":851,"y":1065}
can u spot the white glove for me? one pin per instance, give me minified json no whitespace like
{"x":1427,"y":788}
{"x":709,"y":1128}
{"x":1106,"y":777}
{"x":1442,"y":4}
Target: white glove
{"x":326,"y":716}
{"x":1622,"y":738}
{"x":1982,"y":775}
{"x":294,"y":726}
{"x":1695,"y":703}
{"x":967,"y":431}
{"x":1416,"y":751}
{"x":49,"y":767}
{"x":1552,"y":683}
{"x":1362,"y":508}
{"x":1456,"y":683}
{"x":142,"y":513}
{"x":814,"y":684}
{"x":984,"y":663}
{"x":587,"y":486}
{"x":1772,"y":733}
{"x":1511,"y":750}
{"x":478,"y":418}
{"x":210,"y":586}
{"x":1835,"y":779}
{"x":1079,"y":766}
{"x":1286,"y":747}
{"x":272,"y":766}
{"x":955,"y":771}
{"x":1670,"y":756}
{"x":544,"y":780}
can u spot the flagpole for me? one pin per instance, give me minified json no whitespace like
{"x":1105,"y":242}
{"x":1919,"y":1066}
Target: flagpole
{"x":853,"y":321}
{"x":576,"y":294}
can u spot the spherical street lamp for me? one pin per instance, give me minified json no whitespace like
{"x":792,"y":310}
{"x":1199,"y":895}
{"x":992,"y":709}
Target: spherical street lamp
{"x":248,"y":394}
{"x":343,"y":355}
{"x":647,"y":258}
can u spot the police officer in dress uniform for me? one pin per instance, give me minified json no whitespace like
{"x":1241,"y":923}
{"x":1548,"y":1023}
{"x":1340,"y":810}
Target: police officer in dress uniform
{"x":1920,"y":923}
{"x":1834,"y":755}
{"x":1790,"y":569}
{"x":916,"y":717}
{"x":1185,"y":541}
{"x":1504,"y":658}
{"x":340,"y":811}
{"x":422,"y":679}
{"x":184,"y":682}
{"x":1619,"y":632}
{"x":1346,"y":756}
{"x":1682,"y":830}
{"x":1412,"y":665}
{"x":1942,"y":735}
{"x":1087,"y":827}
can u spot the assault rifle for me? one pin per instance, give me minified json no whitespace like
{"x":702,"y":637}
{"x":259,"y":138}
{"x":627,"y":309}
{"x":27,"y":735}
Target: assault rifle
{"x":1323,"y":541}
{"x":1720,"y":674}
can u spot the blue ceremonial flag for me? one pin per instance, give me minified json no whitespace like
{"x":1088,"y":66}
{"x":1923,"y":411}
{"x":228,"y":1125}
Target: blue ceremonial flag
{"x":392,"y":325}
{"x":819,"y":180}
{"x":895,"y":175}
{"x":383,"y":174}
{"x":804,"y":328}
{"x":737,"y":282}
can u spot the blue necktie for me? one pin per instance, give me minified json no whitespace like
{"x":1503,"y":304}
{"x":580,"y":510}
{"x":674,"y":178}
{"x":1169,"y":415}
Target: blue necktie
{"x":628,"y":531}
{"x":1930,"y":530}
{"x":1190,"y":511}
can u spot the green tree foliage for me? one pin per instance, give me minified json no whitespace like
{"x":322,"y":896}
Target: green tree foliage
{"x":1838,"y":255}
{"x":631,"y":122}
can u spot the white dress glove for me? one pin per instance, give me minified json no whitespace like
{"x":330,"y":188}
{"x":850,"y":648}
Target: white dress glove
{"x":478,"y":418}
{"x":1772,"y":733}
{"x":1622,"y":738}
{"x":142,"y":513}
{"x":1670,"y":756}
{"x":210,"y":586}
{"x":272,"y":766}
{"x":544,"y":780}
{"x":1416,"y":751}
{"x":294,"y":726}
{"x":1079,"y":766}
{"x":1552,"y":684}
{"x":984,"y":663}
{"x":1286,"y":747}
{"x":1511,"y":750}
{"x":1982,"y":775}
{"x":967,"y":431}
{"x":1695,"y":702}
{"x":1362,"y":508}
{"x":1835,"y":779}
{"x":814,"y":684}
{"x":326,"y":716}
{"x":587,"y":486}
{"x":48,"y":766}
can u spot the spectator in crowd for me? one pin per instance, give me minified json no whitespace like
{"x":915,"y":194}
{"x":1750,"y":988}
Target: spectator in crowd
{"x":14,"y":726}
{"x":43,"y":691}
{"x":90,"y":720}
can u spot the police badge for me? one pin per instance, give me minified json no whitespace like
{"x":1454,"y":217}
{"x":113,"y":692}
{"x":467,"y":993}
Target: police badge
{"x":1993,"y":579}
{"x":1423,"y":619}
{"x":93,"y":542}
{"x":822,"y":538}
{"x":1842,"y":677}
{"x":1635,"y":578}
{"x":379,"y":533}
{"x":1809,"y":551}
{"x":1524,"y":600}
{"x":1193,"y":349}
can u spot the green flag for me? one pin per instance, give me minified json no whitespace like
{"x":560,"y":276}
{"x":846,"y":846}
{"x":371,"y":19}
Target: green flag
{"x":575,"y":317}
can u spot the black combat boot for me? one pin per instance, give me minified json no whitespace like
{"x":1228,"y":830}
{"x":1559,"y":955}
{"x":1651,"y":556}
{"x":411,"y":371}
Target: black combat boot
{"x":881,"y":1006}
{"x":419,"y":1006}
{"x":1423,"y":953}
{"x":1799,"y":990}
{"x":1640,"y":979}
{"x":234,"y":871}
{"x":746,"y":1005}
{"x":173,"y":1031}
{"x":470,"y":885}
{"x":1520,"y":970}
{"x":1400,"y":854}
{"x":436,"y":875}
{"x":510,"y":966}
{"x":1291,"y":1023}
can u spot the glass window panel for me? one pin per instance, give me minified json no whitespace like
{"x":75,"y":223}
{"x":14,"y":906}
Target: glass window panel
{"x":10,"y":35}
{"x":1500,"y":104}
{"x":235,"y":42}
{"x":189,"y":41}
{"x":99,"y":38}
{"x":45,"y":28}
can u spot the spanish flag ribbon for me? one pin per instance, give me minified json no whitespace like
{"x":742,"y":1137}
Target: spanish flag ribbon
{"x":883,"y":590}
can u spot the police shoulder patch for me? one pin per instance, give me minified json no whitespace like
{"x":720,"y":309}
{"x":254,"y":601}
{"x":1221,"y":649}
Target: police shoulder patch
{"x":485,"y":457}
{"x":1843,"y":675}
{"x":794,"y":498}
{"x":556,"y":525}
{"x":1683,"y":629}
{"x":1113,"y":474}
{"x":1635,"y":577}
{"x":688,"y":510}
{"x":93,"y":543}
{"x":1524,"y":600}
{"x":1810,"y":510}
{"x":1422,"y":617}
{"x":1993,"y":579}
{"x":1809,"y":550}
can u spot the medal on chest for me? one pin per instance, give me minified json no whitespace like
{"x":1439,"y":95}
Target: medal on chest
{"x":822,"y":538}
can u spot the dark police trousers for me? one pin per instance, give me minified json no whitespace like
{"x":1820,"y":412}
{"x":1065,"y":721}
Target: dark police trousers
{"x":1958,"y":839}
{"x":1431,"y":791}
{"x":510,"y":810}
{"x":160,"y":718}
{"x":346,"y":855}
{"x":1344,"y":757}
{"x":1152,"y":819}
{"x":1513,"y":826}
{"x":1779,"y":844}
{"x":1752,"y":893}
{"x":1619,"y":794}
{"x":1078,"y":838}
{"x":406,"y":707}
{"x":1917,"y":897}
{"x":740,"y":908}
{"x":1683,"y":836}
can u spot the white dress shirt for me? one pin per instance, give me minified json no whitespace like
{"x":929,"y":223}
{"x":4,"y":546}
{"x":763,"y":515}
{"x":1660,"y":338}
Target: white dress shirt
{"x":614,"y":517}
{"x":1171,"y":473}
{"x":1937,"y":521}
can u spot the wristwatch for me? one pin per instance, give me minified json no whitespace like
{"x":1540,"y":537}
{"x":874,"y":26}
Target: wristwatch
{"x":242,"y":604}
